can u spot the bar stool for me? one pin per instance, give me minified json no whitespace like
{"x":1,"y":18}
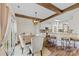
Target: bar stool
{"x":54,"y":41}
{"x":68,"y":46}
{"x":67,"y":43}
{"x":62,"y":43}
{"x":75,"y":40}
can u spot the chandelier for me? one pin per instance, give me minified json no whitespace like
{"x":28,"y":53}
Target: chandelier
{"x":35,"y":21}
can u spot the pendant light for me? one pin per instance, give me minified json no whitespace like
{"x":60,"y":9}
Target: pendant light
{"x":35,"y":21}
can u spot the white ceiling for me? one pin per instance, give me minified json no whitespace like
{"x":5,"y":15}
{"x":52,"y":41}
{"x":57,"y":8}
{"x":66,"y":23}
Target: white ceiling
{"x":29,"y":9}
{"x":65,"y":17}
{"x":63,"y":5}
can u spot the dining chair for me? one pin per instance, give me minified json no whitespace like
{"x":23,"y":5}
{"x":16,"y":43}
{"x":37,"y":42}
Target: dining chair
{"x":22,"y":43}
{"x":37,"y":44}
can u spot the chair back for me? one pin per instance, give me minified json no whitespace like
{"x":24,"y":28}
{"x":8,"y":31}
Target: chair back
{"x":21,"y":41}
{"x":37,"y":43}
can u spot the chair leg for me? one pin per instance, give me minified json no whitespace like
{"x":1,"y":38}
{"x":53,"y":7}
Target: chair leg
{"x":22,"y":50}
{"x":32,"y":54}
{"x":41,"y":52}
{"x":74,"y":44}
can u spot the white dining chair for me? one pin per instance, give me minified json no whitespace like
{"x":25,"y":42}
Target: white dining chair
{"x":22,"y":43}
{"x":37,"y":44}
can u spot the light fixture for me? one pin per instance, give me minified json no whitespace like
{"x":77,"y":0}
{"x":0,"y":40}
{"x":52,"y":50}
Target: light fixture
{"x":35,"y":21}
{"x":57,"y":20}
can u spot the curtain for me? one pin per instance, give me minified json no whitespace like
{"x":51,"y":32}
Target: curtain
{"x":4,"y":18}
{"x":0,"y":23}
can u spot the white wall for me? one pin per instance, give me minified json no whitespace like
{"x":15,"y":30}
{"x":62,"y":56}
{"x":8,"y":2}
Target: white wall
{"x":24,"y":25}
{"x":74,"y":23}
{"x":72,"y":18}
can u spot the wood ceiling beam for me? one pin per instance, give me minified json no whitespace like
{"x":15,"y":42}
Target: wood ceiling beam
{"x":49,"y":17}
{"x":71,"y":7}
{"x":50,"y":7}
{"x":63,"y":11}
{"x":24,"y":16}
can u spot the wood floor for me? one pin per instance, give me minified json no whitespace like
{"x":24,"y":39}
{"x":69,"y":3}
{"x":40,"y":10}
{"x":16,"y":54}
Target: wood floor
{"x":57,"y":51}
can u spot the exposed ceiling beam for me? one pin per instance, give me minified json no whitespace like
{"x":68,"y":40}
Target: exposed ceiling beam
{"x":63,"y":11}
{"x":49,"y":17}
{"x":50,"y":7}
{"x":24,"y":16}
{"x":71,"y":7}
